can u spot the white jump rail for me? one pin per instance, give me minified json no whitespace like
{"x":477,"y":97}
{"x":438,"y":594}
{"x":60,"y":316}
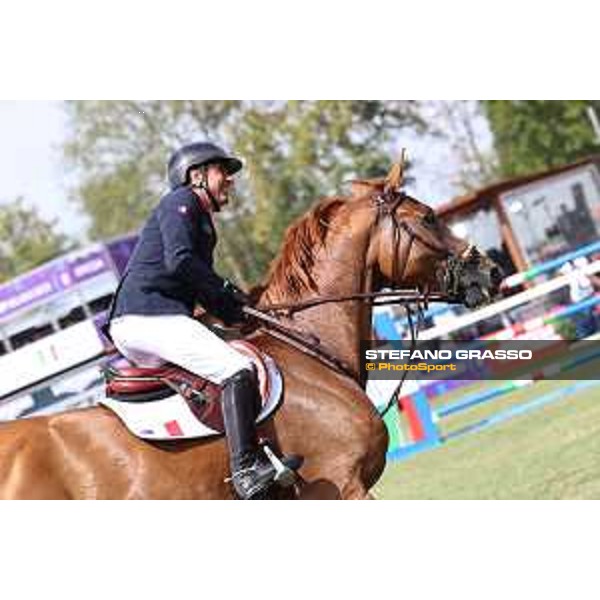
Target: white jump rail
{"x":439,"y":331}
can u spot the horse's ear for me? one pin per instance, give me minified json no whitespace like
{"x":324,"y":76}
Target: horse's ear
{"x":395,"y":178}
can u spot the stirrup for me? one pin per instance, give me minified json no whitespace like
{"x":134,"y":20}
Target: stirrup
{"x":251,"y":483}
{"x":285,"y":471}
{"x":282,"y":472}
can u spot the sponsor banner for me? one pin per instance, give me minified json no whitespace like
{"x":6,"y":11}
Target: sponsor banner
{"x":52,"y":279}
{"x":481,"y":359}
{"x":88,"y":266}
{"x":30,"y":289}
{"x":47,"y":357}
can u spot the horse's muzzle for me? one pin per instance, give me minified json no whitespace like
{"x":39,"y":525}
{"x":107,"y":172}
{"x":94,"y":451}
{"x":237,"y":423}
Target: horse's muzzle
{"x":473,"y":280}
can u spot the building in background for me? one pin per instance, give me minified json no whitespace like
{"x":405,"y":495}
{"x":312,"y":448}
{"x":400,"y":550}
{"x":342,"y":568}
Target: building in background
{"x":521,"y":223}
{"x":530,"y":219}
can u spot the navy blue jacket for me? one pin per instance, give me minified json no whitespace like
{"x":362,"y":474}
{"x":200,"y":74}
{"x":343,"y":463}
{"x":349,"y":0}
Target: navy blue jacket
{"x":171,"y":268}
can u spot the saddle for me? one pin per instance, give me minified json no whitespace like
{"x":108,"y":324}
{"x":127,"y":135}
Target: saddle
{"x":169,"y":402}
{"x":130,"y":383}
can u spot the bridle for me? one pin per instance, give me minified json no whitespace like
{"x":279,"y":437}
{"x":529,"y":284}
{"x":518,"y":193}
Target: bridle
{"x":387,"y":204}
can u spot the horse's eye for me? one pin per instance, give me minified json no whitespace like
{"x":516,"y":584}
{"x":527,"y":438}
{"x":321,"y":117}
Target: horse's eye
{"x":429,"y":219}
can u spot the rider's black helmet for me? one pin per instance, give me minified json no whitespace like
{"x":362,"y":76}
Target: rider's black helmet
{"x":197,"y":155}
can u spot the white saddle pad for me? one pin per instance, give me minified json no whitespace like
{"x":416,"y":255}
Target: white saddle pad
{"x":172,"y":418}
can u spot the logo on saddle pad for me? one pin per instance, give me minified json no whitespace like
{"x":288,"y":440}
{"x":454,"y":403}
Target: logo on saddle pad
{"x":169,"y":403}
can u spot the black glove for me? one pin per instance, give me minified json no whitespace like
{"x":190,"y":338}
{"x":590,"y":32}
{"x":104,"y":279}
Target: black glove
{"x":236,"y":292}
{"x":230,"y":309}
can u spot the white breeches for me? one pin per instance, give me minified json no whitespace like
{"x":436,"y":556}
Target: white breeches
{"x":150,"y":341}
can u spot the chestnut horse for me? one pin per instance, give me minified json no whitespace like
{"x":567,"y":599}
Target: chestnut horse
{"x":377,"y":237}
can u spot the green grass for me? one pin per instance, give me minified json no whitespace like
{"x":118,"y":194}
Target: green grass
{"x":549,"y":453}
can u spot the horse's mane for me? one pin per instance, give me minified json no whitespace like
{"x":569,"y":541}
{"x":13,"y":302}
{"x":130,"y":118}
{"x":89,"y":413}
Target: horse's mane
{"x":290,"y":273}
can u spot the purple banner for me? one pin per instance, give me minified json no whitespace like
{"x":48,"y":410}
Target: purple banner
{"x":120,"y":251}
{"x":52,"y":279}
{"x":85,"y":267}
{"x":29,"y":289}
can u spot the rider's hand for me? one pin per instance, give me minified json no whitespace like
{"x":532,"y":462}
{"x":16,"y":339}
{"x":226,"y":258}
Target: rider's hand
{"x":228,"y":304}
{"x":231,"y":310}
{"x":240,"y":296}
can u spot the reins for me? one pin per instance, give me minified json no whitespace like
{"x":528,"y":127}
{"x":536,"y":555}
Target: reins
{"x":307,"y":343}
{"x":391,"y":297}
{"x":311,"y":345}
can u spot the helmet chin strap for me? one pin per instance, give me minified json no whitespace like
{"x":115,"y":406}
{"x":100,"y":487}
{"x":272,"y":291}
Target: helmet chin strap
{"x":203,"y":185}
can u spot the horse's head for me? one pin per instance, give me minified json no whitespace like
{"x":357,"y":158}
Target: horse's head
{"x":411,"y":247}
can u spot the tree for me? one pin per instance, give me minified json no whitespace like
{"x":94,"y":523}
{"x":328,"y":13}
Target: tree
{"x":300,"y":151}
{"x":464,"y":127}
{"x":295,"y":153}
{"x":533,"y":135}
{"x":117,"y":151}
{"x":26,"y":239}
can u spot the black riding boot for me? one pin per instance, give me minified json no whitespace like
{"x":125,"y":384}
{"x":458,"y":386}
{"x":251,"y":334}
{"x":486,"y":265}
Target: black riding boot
{"x":251,"y":472}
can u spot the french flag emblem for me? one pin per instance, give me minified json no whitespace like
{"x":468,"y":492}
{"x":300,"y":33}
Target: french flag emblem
{"x":173,"y":429}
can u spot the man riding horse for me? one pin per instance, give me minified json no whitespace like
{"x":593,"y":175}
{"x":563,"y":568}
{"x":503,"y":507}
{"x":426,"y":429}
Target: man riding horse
{"x":334,"y":263}
{"x":169,"y":274}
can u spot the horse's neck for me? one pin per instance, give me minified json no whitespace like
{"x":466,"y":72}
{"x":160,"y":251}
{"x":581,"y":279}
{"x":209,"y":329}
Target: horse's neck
{"x":340,"y":270}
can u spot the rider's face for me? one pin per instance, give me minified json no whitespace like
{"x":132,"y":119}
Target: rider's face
{"x":216,"y":178}
{"x":220,"y":183}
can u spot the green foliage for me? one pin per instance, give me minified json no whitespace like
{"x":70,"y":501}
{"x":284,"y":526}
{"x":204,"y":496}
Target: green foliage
{"x":118,"y":149}
{"x":26,"y":240}
{"x":295,"y":153}
{"x":463,"y":125}
{"x":533,"y":135}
